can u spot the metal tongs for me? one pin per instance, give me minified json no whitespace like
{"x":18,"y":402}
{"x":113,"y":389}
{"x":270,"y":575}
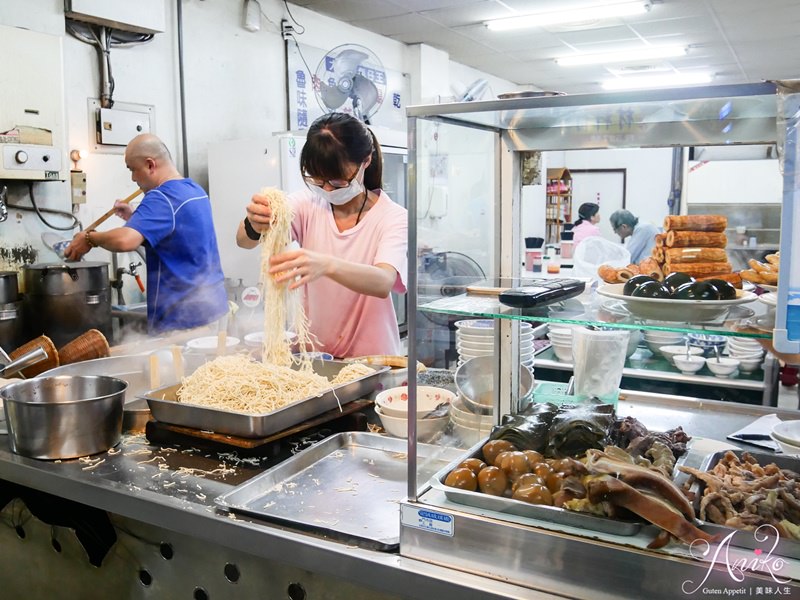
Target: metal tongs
{"x":36,"y":355}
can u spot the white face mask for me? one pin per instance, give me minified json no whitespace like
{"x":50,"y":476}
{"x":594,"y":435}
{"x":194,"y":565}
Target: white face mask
{"x":341,"y":196}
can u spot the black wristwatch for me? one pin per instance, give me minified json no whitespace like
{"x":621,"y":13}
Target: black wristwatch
{"x":251,"y":233}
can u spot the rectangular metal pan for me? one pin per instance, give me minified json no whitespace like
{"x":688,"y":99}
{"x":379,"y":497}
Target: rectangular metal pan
{"x":550,"y":514}
{"x":165,"y":407}
{"x":743,"y":538}
{"x":347,"y":486}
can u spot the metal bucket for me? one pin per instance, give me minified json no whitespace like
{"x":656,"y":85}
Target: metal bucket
{"x":64,"y":300}
{"x":135,"y":371}
{"x":64,"y":417}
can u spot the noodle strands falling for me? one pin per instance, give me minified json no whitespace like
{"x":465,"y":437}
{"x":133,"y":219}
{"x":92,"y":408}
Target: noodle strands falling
{"x":281,"y":306}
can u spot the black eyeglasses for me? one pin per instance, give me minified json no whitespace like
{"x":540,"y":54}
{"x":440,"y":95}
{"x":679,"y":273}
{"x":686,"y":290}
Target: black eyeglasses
{"x":334,"y":183}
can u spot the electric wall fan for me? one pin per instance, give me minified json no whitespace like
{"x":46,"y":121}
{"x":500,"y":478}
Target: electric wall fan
{"x":351,"y":79}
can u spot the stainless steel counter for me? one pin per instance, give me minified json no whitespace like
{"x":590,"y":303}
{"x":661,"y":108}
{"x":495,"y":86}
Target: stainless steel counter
{"x":169,"y":493}
{"x":164,"y":496}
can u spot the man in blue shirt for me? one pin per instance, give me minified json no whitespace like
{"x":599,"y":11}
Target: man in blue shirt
{"x":642,"y":235}
{"x":185,"y":284}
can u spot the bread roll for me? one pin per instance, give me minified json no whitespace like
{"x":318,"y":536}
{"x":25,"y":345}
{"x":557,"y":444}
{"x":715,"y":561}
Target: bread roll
{"x":734,"y":279}
{"x":716,"y":223}
{"x":691,"y":255}
{"x":696,"y":239}
{"x":699,"y":269}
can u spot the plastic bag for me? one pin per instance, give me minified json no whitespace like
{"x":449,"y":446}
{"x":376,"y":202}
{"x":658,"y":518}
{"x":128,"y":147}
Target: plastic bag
{"x":598,"y":359}
{"x":595,"y":251}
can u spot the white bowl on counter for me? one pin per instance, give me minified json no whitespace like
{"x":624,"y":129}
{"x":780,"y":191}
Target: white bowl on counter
{"x":208,"y":344}
{"x":724,"y":367}
{"x":788,"y":431}
{"x":394,"y":401}
{"x":788,"y":449}
{"x":670,"y":352}
{"x":427,"y":429}
{"x":689,"y":365}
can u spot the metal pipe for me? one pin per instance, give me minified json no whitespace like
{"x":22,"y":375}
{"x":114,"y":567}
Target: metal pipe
{"x":182,"y":87}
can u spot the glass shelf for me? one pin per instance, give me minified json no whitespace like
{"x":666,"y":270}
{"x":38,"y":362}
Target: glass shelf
{"x":745,"y":320}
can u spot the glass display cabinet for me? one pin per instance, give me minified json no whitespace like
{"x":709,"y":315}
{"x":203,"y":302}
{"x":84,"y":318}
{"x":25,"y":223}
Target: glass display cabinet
{"x":467,"y":163}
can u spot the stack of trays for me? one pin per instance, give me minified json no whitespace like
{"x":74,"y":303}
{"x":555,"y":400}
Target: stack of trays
{"x":475,"y":337}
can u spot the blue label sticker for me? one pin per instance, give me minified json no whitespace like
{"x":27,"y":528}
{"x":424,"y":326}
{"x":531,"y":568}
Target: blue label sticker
{"x":429,"y":520}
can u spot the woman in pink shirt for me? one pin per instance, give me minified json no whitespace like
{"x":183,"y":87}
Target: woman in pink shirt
{"x":586,"y":225}
{"x":353,"y":238}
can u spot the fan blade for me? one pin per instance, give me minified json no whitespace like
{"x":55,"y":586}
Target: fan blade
{"x":347,"y":61}
{"x":331,"y":96}
{"x":366,"y":92}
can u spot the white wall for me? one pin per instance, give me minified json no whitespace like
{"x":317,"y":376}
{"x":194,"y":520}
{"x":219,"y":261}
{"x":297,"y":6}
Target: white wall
{"x":648,"y":173}
{"x":235,"y":88}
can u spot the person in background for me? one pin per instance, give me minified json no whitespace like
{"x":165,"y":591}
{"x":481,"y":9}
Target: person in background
{"x":185,"y":284}
{"x":586,"y":225}
{"x":642,"y":235}
{"x":353,"y":238}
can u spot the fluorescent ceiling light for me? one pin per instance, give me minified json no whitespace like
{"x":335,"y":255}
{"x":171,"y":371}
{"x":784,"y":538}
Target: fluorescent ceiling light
{"x":575,"y":15}
{"x":633,"y":55}
{"x":655,"y":81}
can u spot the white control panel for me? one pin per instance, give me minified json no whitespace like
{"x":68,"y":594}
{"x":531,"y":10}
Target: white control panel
{"x":30,"y":161}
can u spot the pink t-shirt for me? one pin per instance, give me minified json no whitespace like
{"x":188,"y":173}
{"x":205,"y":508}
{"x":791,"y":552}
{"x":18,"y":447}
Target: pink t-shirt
{"x":584,"y":230}
{"x":347,"y":323}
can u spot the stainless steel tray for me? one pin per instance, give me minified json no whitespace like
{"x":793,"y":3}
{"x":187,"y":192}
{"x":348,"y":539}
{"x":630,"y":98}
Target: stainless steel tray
{"x":165,"y":407}
{"x":551,"y":514}
{"x":347,"y":486}
{"x":743,"y":538}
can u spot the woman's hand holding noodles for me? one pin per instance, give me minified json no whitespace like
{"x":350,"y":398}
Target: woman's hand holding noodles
{"x":259,"y":213}
{"x":299,"y":266}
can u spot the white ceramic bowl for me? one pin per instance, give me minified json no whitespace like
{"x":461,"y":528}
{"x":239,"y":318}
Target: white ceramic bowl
{"x":256,"y":339}
{"x":476,"y":326}
{"x":563,"y":352}
{"x":394,"y":401}
{"x":670,"y":352}
{"x":475,"y":346}
{"x":208,"y":344}
{"x":749,"y":365}
{"x":467,"y":354}
{"x":663,"y":335}
{"x":788,"y":431}
{"x":689,"y":365}
{"x":724,"y":367}
{"x":470,"y":436}
{"x":398,"y":426}
{"x":460,"y":409}
{"x":788,"y":449}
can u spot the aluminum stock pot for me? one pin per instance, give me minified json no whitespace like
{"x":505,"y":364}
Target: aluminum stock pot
{"x":65,"y":416}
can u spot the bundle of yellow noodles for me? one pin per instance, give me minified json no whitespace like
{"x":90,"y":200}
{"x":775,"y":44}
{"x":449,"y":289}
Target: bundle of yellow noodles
{"x":281,"y":305}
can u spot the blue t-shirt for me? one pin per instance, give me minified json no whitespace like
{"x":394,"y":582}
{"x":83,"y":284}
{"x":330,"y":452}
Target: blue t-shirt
{"x":185,"y":284}
{"x":642,"y":241}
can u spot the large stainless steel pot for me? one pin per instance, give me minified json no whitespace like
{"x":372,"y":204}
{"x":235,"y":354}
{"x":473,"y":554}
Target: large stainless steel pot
{"x":135,"y":371}
{"x":64,"y":417}
{"x":12,"y":331}
{"x":9,"y":287}
{"x":11,"y":324}
{"x":64,"y":300}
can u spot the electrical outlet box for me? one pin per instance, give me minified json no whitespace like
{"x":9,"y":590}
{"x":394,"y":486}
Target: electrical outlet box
{"x":78,"y":179}
{"x":114,"y":127}
{"x":31,"y":106}
{"x":141,"y":16}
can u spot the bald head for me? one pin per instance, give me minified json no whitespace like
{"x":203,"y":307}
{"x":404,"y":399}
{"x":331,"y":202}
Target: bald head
{"x":149,"y":161}
{"x":147,"y":145}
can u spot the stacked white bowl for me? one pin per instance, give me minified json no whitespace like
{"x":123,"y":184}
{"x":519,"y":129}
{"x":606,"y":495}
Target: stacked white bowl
{"x":561,"y":341}
{"x":747,"y":351}
{"x":391,"y":406}
{"x":655,"y":339}
{"x":475,"y":337}
{"x":468,"y":426}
